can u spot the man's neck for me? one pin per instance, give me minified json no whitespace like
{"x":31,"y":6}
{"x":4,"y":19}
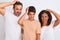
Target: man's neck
{"x":16,"y":15}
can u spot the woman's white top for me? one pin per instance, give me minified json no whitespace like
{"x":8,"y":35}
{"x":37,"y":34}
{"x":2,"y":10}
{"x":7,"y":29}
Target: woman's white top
{"x":47,"y":32}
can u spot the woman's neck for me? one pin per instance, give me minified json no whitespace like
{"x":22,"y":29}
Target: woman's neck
{"x":45,"y":24}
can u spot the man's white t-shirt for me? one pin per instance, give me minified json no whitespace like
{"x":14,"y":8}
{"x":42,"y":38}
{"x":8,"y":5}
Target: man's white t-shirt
{"x":12,"y":28}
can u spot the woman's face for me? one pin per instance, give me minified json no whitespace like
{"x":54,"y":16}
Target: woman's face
{"x":44,"y":18}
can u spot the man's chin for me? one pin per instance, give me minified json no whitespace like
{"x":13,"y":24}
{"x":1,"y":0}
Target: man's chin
{"x":19,"y":14}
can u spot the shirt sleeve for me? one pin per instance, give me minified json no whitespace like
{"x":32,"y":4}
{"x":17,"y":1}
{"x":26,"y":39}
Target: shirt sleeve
{"x":52,"y":23}
{"x":24,"y":22}
{"x":38,"y":28}
{"x":8,"y":11}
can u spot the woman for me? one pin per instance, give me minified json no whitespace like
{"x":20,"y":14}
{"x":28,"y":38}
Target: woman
{"x":47,"y":24}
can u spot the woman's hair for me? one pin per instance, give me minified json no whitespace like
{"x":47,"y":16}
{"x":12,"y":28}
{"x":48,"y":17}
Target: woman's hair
{"x":40,"y":17}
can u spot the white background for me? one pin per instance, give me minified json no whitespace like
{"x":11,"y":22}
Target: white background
{"x":39,"y":5}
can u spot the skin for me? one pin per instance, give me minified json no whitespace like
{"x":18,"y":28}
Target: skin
{"x":31,"y":18}
{"x":45,"y":17}
{"x":17,"y":10}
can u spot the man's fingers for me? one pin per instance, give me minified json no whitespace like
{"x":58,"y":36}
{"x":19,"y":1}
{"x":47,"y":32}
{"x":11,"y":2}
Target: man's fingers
{"x":16,"y":0}
{"x":27,"y":10}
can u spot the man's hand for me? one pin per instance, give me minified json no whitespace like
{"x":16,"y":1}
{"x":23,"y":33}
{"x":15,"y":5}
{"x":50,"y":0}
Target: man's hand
{"x":27,"y":10}
{"x":5,"y":4}
{"x":15,"y":1}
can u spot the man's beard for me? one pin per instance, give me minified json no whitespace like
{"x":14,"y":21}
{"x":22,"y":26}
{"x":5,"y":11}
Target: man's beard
{"x":18,"y":14}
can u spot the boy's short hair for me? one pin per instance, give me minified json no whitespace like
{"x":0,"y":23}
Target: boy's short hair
{"x":32,"y":9}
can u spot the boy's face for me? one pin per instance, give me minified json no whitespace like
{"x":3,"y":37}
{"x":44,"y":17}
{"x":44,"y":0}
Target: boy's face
{"x":31,"y":15}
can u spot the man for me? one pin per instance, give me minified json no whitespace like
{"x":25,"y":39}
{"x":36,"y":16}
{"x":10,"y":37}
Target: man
{"x":12,"y":29}
{"x":31,"y":27}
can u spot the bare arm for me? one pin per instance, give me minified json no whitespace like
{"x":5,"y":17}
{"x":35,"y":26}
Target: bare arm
{"x":5,"y":4}
{"x":57,"y":17}
{"x":37,"y":36}
{"x":20,"y":22}
{"x":38,"y":31}
{"x":2,"y":11}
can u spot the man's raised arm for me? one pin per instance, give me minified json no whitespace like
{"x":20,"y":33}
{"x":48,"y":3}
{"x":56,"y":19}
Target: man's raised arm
{"x":5,"y":4}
